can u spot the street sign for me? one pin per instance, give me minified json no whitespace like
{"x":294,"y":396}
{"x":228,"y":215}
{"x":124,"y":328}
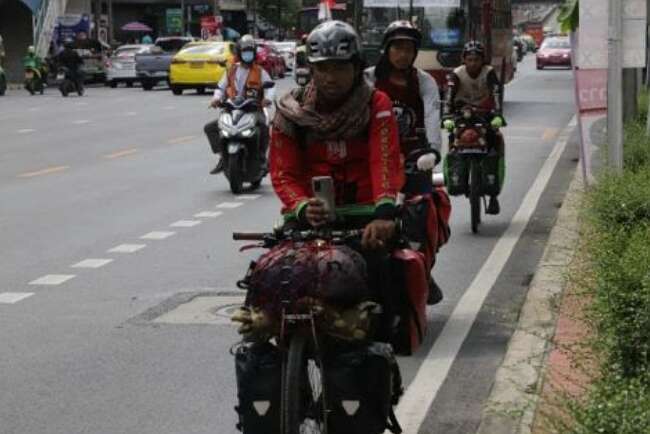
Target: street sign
{"x":174,"y":21}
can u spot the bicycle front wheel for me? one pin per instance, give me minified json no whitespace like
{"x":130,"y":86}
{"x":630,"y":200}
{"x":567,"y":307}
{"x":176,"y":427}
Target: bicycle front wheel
{"x":303,"y":393}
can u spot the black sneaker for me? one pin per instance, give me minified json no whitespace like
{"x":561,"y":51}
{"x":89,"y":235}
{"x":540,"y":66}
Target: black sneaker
{"x":435,"y":293}
{"x":493,"y":206}
{"x":218,"y":168}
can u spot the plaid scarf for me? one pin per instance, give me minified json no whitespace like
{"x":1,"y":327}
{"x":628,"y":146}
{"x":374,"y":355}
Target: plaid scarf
{"x":296,"y":115}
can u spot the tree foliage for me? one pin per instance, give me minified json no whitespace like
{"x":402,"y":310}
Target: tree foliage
{"x":569,"y":17}
{"x":286,"y":19}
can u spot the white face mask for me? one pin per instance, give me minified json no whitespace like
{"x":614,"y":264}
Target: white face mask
{"x":247,"y":56}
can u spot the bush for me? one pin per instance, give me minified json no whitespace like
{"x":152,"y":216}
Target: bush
{"x":616,"y":406}
{"x":621,"y":201}
{"x":637,"y":147}
{"x":622,"y":303}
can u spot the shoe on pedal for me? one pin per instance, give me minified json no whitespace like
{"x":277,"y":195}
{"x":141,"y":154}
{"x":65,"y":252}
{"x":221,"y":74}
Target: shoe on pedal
{"x":435,"y":293}
{"x":218,"y":168}
{"x":493,"y":206}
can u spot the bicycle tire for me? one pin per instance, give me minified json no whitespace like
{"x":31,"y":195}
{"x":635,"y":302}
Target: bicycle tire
{"x":296,"y":391}
{"x":475,"y":195}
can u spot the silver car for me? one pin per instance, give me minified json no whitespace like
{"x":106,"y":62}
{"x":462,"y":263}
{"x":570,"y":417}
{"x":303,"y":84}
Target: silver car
{"x":120,"y":67}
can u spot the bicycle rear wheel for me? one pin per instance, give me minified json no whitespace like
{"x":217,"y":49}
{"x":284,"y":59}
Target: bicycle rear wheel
{"x":303,"y":403}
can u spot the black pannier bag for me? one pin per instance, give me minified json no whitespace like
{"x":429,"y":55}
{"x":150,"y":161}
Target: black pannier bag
{"x":492,"y":173}
{"x":362,"y":386}
{"x":259,"y":371}
{"x":456,"y":173}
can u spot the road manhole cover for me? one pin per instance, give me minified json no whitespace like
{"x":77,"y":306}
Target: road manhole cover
{"x":204,"y":309}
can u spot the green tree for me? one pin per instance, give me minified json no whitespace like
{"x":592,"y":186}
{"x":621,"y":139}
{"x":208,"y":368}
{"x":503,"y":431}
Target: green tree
{"x":569,"y":16}
{"x":286,"y":18}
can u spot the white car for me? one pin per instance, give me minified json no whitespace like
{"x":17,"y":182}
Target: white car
{"x":120,"y":67}
{"x":288,"y":50}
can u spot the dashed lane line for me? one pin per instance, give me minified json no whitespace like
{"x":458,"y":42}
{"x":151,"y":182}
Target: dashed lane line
{"x":52,"y":279}
{"x":208,"y":214}
{"x":13,"y":297}
{"x":47,"y":171}
{"x":249,"y":196}
{"x":127,"y":248}
{"x":550,"y":134}
{"x":185,"y":223}
{"x":92,"y":263}
{"x":157,"y":235}
{"x":81,"y":122}
{"x":120,"y":154}
{"x":179,"y":140}
{"x":229,"y":205}
{"x":26,"y":131}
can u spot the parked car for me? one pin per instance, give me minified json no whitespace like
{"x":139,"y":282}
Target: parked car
{"x":555,"y":51}
{"x":120,"y":67}
{"x":271,"y":60}
{"x":288,"y":51}
{"x":200,"y":65}
{"x":152,"y":67}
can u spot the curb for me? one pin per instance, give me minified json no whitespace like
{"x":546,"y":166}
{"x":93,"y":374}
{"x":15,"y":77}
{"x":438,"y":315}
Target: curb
{"x":511,"y":406}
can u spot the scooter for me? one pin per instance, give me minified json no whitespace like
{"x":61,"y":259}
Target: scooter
{"x":241,"y":142}
{"x":3,"y":81}
{"x":33,"y":77}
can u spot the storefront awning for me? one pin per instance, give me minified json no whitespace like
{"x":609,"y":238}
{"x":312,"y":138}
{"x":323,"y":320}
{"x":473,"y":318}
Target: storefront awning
{"x":34,"y":5}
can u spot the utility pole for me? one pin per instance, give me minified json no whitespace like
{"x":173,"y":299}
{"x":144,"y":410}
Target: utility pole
{"x":615,"y":86}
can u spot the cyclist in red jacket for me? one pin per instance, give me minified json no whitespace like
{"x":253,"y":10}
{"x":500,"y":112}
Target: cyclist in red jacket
{"x":338,"y":126}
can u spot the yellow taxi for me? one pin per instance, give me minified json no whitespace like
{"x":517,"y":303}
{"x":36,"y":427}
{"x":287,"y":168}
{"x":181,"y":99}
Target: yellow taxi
{"x":199,"y":65}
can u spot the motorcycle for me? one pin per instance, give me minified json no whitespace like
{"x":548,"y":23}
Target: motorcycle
{"x":241,"y":141}
{"x":67,"y":84}
{"x":471,"y":146}
{"x":33,"y":77}
{"x":3,"y":81}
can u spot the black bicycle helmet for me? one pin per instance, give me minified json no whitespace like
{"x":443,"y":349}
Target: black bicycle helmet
{"x":333,"y":40}
{"x":404,"y":30}
{"x":474,"y":47}
{"x":246,"y":42}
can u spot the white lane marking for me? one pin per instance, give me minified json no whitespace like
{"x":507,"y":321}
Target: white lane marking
{"x":179,"y":140}
{"x":130,"y":114}
{"x":229,"y":205}
{"x":208,"y":214}
{"x":34,"y":109}
{"x":119,"y":154}
{"x":169,"y":107}
{"x":249,"y":196}
{"x":423,"y":389}
{"x":14,"y":297}
{"x":44,"y":171}
{"x":157,"y":235}
{"x":127,"y":248}
{"x":26,"y":131}
{"x":92,"y":263}
{"x":81,"y":103}
{"x":52,"y":279}
{"x":185,"y":223}
{"x":81,"y":122}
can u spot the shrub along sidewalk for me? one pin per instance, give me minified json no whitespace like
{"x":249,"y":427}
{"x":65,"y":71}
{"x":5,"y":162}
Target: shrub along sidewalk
{"x":609,"y":291}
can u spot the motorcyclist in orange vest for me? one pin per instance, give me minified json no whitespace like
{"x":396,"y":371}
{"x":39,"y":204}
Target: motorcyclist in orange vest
{"x":243,"y":79}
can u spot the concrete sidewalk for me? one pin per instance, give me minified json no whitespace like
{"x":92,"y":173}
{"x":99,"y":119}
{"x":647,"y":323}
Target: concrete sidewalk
{"x":514,"y":399}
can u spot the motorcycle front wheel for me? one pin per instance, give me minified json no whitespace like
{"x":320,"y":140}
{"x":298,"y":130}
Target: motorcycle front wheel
{"x":30,"y":86}
{"x":303,"y":392}
{"x":235,"y":175}
{"x":475,"y":194}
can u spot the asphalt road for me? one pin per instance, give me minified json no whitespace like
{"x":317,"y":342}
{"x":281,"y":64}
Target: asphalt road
{"x":109,"y":221}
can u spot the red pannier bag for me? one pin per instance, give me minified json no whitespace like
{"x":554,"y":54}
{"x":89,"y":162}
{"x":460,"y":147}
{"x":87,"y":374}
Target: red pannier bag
{"x":413,"y":274}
